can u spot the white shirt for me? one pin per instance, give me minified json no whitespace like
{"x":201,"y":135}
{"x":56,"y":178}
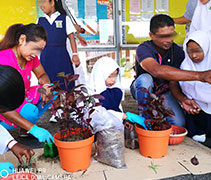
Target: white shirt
{"x":198,"y":91}
{"x":69,"y":25}
{"x":5,"y":138}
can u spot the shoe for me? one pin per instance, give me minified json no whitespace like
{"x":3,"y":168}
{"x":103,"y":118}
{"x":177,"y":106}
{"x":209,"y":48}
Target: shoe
{"x":199,"y":138}
{"x":53,"y":119}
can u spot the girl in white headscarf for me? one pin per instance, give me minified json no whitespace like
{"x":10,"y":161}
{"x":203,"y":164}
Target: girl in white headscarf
{"x":201,"y":17}
{"x":105,"y":80}
{"x":198,"y":58}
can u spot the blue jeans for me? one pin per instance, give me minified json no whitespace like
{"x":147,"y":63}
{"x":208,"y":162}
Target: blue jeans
{"x":146,"y":81}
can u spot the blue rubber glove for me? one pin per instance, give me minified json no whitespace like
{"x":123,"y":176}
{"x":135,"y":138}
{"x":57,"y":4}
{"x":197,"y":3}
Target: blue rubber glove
{"x":134,"y":118}
{"x":41,"y":134}
{"x":6,"y":168}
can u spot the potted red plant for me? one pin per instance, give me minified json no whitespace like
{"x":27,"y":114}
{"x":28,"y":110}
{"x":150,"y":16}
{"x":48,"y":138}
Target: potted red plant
{"x":153,"y":142}
{"x":74,"y":141}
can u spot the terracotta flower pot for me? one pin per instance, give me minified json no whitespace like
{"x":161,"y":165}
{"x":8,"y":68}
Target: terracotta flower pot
{"x":74,"y":156}
{"x":20,"y":175}
{"x":153,"y":144}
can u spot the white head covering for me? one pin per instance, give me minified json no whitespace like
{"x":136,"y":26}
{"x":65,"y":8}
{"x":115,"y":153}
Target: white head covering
{"x":202,"y":17}
{"x":100,"y":72}
{"x":199,"y":91}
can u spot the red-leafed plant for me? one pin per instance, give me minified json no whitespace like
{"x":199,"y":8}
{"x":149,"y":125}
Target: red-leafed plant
{"x":76,"y":105}
{"x":155,"y":109}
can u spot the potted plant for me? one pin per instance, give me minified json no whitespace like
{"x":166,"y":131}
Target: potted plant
{"x":74,"y":141}
{"x":153,"y":142}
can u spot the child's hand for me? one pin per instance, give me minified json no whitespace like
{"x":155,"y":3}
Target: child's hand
{"x":76,"y":60}
{"x":190,"y":106}
{"x":82,"y":40}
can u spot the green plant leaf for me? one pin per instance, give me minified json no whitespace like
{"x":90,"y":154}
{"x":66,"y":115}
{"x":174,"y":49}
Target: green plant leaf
{"x":154,"y":167}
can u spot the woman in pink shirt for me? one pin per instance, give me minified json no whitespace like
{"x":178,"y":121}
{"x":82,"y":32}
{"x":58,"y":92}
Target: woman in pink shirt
{"x":20,"y":49}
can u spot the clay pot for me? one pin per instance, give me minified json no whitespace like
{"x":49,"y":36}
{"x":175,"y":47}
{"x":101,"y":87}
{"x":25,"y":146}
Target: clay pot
{"x":74,"y":156}
{"x":153,"y":144}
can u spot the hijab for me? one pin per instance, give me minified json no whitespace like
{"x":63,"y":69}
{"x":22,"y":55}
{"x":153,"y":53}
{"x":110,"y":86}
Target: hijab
{"x":196,"y":90}
{"x":102,"y":69}
{"x":202,"y":17}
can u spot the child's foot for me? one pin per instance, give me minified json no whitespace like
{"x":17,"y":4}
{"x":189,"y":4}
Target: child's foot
{"x":199,"y":138}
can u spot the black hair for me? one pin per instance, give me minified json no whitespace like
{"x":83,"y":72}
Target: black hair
{"x":159,"y":21}
{"x":33,"y":32}
{"x":190,"y":41}
{"x":12,"y":90}
{"x":58,"y":6}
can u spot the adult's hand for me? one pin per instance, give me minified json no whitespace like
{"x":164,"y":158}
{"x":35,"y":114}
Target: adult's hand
{"x":205,"y":76}
{"x":44,"y":96}
{"x":41,"y":134}
{"x":190,"y":106}
{"x":20,"y":150}
{"x":6,"y":168}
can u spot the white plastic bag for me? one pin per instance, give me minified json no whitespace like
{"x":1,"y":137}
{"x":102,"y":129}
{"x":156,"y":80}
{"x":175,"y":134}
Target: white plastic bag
{"x":103,"y":119}
{"x":79,"y":70}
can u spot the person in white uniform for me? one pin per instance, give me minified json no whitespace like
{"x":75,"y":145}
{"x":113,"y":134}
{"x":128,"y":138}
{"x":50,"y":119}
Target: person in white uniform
{"x":201,"y":17}
{"x":196,"y":97}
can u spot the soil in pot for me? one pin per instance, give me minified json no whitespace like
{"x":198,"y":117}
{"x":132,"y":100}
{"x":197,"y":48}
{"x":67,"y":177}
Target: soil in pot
{"x":75,"y":134}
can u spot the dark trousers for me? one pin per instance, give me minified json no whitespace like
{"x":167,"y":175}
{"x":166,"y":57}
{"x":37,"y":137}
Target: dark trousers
{"x":198,"y":124}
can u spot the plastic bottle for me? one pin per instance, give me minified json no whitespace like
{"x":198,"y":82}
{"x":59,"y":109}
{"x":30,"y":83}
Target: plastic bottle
{"x":128,"y":67}
{"x":50,"y":150}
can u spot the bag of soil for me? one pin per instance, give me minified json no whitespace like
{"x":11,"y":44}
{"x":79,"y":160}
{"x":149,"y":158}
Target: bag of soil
{"x":110,"y":148}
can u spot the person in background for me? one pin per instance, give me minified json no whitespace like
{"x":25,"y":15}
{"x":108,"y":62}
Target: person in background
{"x":195,"y":97}
{"x":19,"y":49}
{"x":187,"y":17}
{"x":158,"y":61}
{"x":55,"y":57}
{"x":202,"y":16}
{"x":12,"y":94}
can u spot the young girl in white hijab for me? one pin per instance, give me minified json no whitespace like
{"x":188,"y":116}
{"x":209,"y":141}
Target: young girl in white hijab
{"x":105,"y":80}
{"x":201,"y":17}
{"x":198,"y":58}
